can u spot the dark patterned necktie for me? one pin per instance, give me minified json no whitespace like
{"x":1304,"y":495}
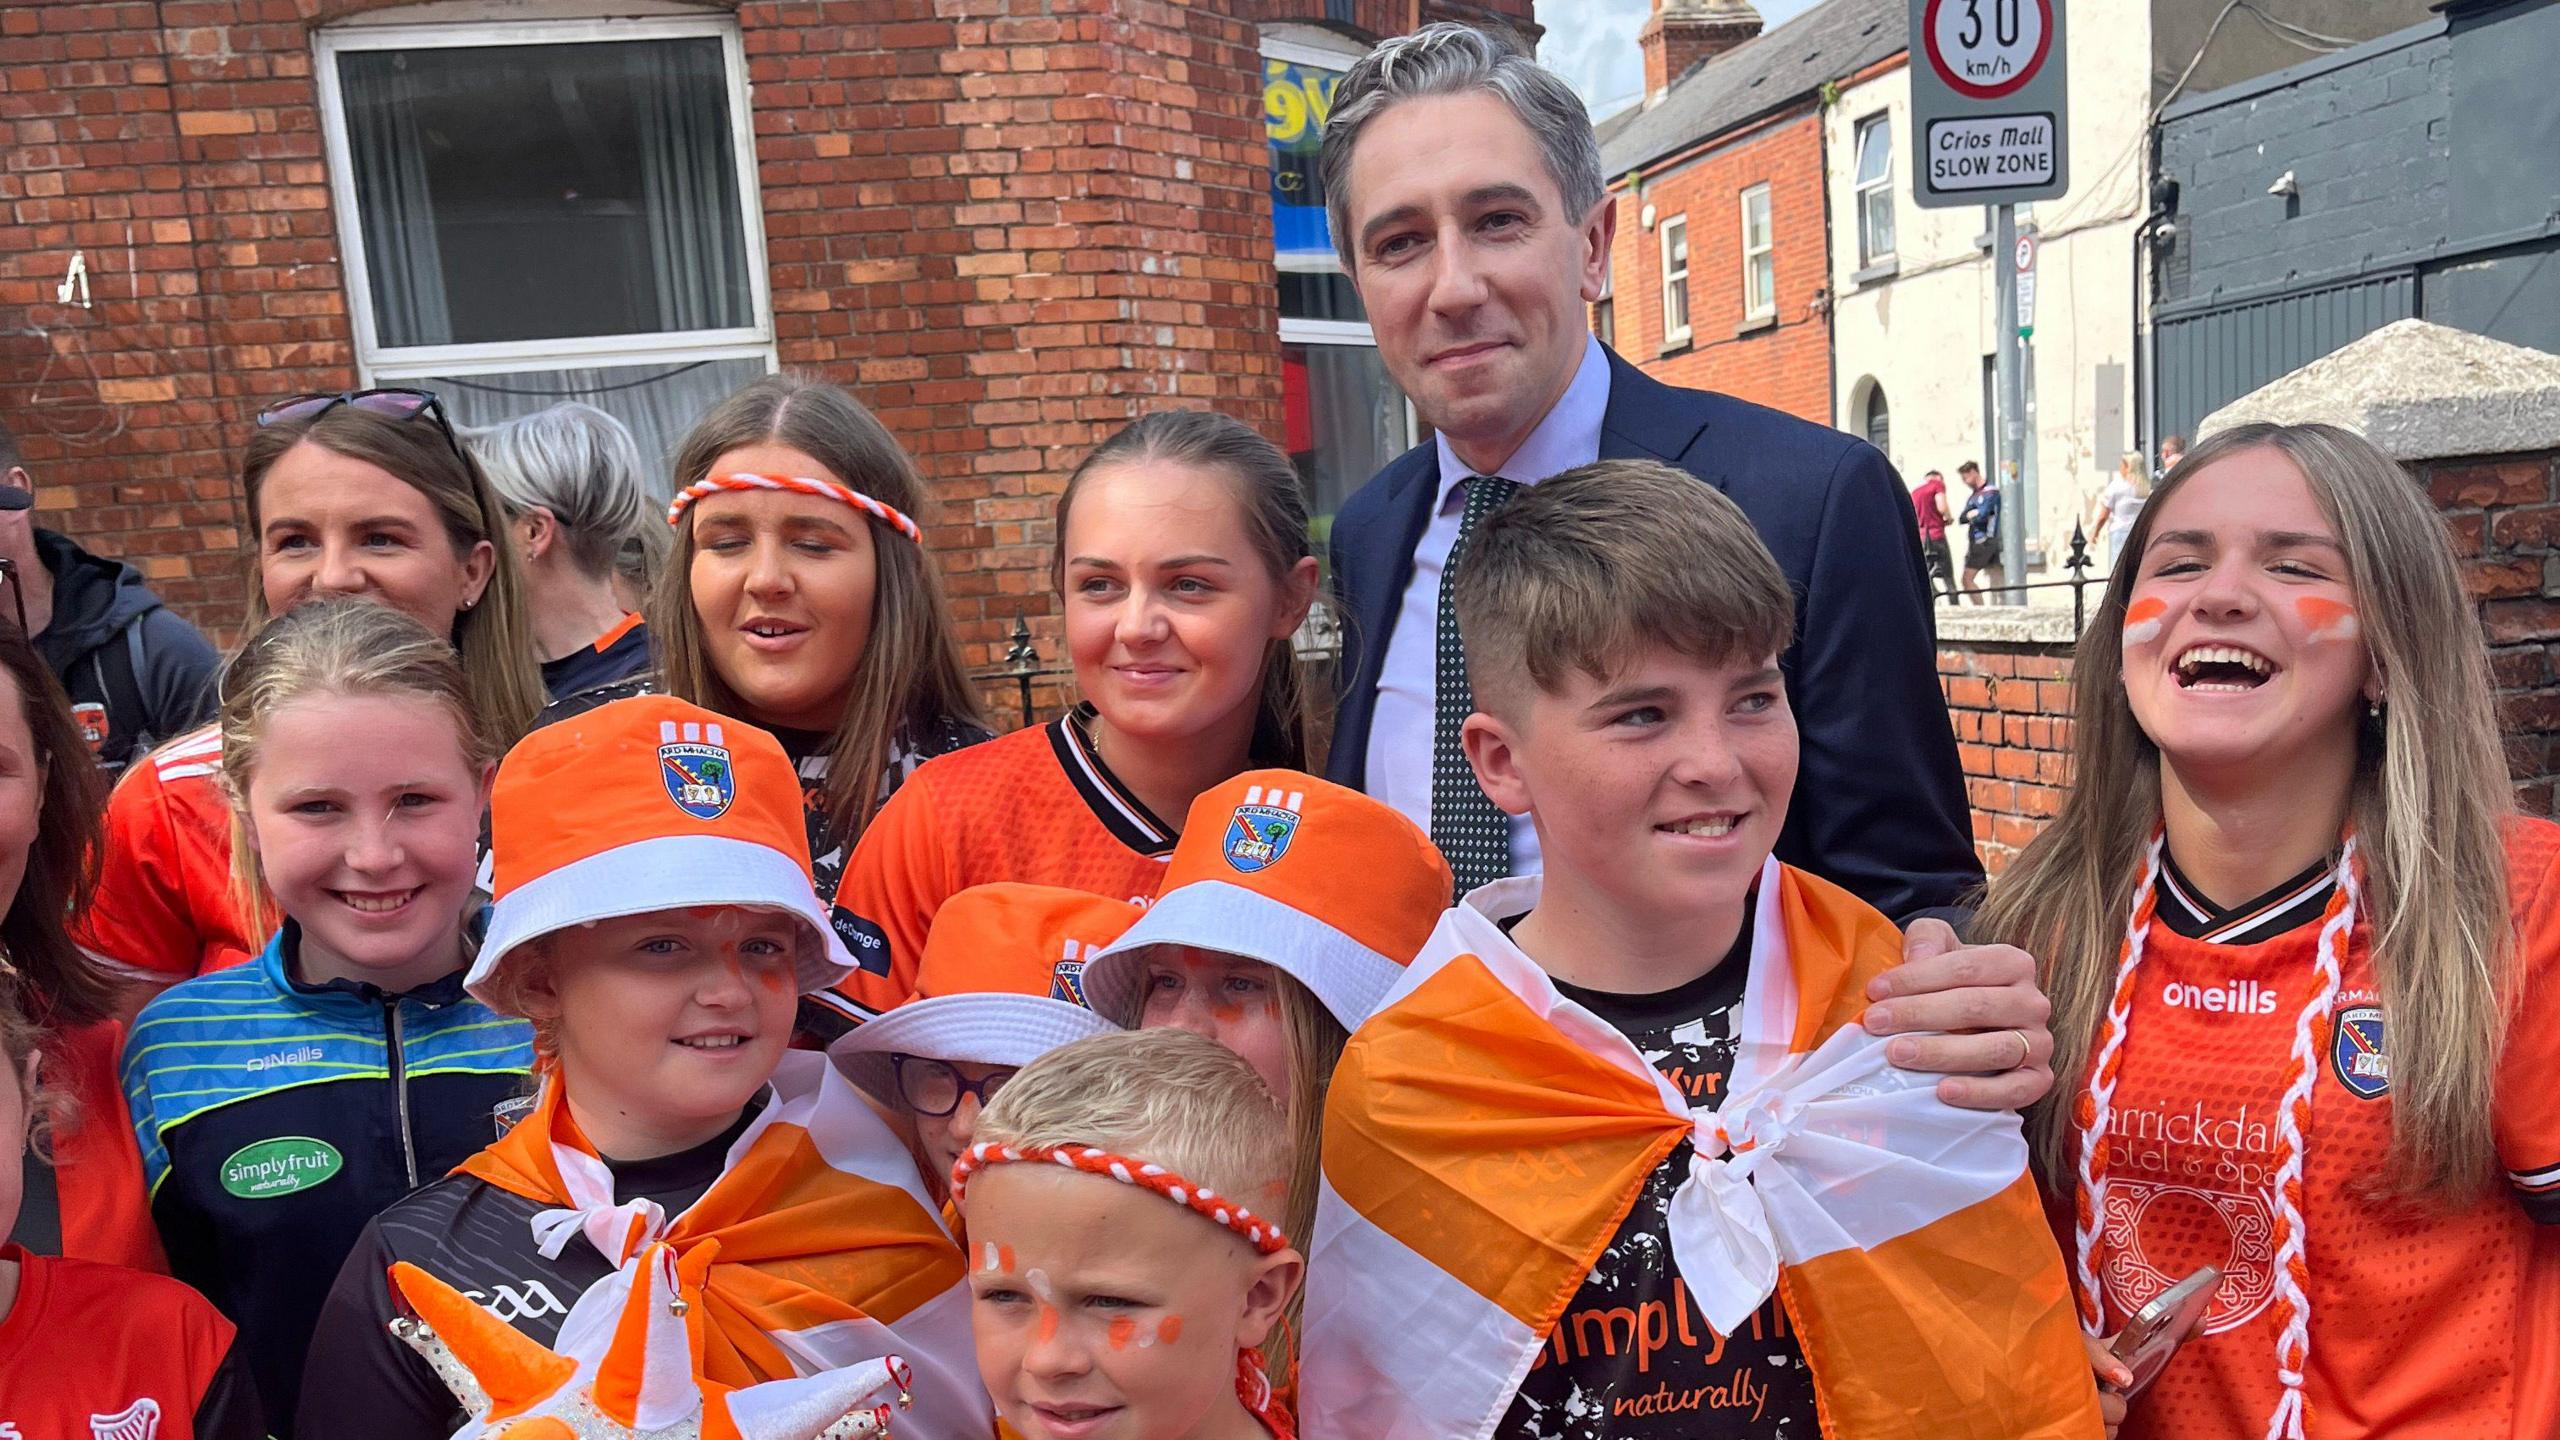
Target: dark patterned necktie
{"x":1471,"y":831}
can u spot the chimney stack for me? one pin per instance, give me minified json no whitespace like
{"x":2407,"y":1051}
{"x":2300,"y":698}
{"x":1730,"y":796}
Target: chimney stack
{"x":1681,"y":33}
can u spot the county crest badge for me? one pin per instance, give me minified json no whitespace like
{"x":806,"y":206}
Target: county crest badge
{"x":1258,"y":834}
{"x":1066,"y":979}
{"x":695,"y":765}
{"x":2356,"y":1053}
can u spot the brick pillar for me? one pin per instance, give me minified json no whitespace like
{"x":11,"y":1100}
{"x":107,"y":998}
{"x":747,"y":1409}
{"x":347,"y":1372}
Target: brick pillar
{"x":1680,"y":33}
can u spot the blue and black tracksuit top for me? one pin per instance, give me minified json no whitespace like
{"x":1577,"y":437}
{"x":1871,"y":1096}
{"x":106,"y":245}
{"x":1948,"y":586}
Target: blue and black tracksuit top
{"x":278,"y":1117}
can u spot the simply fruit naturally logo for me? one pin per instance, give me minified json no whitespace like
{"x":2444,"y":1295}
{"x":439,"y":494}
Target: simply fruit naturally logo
{"x":281,"y":1166}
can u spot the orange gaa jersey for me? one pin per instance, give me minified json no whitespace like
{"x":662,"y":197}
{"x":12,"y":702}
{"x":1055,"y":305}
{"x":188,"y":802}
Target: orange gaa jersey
{"x":94,"y":1352}
{"x":163,"y":910}
{"x":1037,"y":806}
{"x":2424,"y":1323}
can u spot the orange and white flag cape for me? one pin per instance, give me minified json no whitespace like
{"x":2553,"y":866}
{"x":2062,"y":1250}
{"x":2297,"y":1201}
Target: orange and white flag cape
{"x":828,"y":1251}
{"x":1485,"y":1138}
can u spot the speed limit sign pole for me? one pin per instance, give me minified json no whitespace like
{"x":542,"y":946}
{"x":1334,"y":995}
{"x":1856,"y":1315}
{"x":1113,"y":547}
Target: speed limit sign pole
{"x":1990,"y":126}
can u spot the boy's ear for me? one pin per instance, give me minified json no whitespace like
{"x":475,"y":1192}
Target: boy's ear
{"x":1493,"y":748}
{"x":1276,"y":1277}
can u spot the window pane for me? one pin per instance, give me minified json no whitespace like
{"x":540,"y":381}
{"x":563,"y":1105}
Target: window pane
{"x":1345,"y":419}
{"x":1755,"y":218}
{"x":1675,"y":304}
{"x":1319,"y":295}
{"x":1761,"y":273}
{"x":1875,"y":151}
{"x":1680,"y":248}
{"x":659,"y":401}
{"x":1875,"y":225}
{"x":534,"y":192}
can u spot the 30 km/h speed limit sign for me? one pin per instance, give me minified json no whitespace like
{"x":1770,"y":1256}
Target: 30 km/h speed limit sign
{"x":1987,"y":49}
{"x":1989,"y":120}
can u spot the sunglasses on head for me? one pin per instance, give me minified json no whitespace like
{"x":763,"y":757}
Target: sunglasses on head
{"x":392,"y":403}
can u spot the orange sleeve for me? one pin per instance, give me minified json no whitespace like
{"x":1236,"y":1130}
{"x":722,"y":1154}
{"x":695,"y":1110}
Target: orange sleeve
{"x":900,"y":872}
{"x":2527,"y":1115}
{"x":144,"y":917}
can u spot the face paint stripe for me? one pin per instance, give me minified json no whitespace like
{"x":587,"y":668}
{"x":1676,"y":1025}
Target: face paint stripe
{"x":1122,"y":1331}
{"x":2144,"y":619}
{"x":2329,"y":619}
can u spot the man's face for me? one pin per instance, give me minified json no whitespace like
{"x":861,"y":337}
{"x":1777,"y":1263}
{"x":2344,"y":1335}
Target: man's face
{"x":1972,"y":479}
{"x":1474,"y":274}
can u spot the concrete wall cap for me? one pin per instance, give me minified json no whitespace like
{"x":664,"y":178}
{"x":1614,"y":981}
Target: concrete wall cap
{"x":2420,"y":392}
{"x":2006,"y":624}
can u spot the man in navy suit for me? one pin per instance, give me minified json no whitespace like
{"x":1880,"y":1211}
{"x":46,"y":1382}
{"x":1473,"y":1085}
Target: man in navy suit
{"x":1464,"y":189}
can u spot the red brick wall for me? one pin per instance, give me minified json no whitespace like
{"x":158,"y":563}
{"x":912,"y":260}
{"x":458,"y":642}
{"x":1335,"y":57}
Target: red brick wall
{"x":2011,"y":707}
{"x":1787,"y":366}
{"x":1008,"y":232}
{"x":2505,"y":516}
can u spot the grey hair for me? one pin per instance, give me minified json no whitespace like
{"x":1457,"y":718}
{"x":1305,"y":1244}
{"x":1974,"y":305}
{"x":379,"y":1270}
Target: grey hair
{"x":1447,"y":58}
{"x":583,"y":466}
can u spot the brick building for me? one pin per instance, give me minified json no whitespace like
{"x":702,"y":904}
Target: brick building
{"x":1008,"y":226}
{"x":1718,"y":274}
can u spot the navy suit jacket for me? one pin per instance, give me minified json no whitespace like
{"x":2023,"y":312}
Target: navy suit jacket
{"x":1879,"y":805}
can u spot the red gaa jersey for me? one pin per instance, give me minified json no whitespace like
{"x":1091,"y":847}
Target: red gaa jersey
{"x":97,"y":1352}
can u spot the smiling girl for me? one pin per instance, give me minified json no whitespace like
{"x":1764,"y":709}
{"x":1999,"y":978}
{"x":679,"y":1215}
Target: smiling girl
{"x":2301,"y":951}
{"x":366,"y":495}
{"x":1183,"y":556}
{"x":281,"y":1104}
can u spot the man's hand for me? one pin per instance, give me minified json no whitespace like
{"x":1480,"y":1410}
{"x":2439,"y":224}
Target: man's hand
{"x":1984,"y":998}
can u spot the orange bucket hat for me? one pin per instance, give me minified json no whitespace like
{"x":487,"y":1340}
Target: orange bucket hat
{"x":1001,"y":982}
{"x":648,"y":804}
{"x":1334,"y":889}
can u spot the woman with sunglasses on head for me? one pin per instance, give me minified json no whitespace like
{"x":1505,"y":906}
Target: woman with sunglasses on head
{"x":801,"y":598}
{"x":365,"y":494}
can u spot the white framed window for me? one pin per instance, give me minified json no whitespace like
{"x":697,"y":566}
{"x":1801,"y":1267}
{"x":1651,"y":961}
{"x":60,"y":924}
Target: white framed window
{"x":1873,"y":187}
{"x":1343,"y":417}
{"x":1674,"y":233}
{"x":536,"y":210}
{"x":1759,"y":261}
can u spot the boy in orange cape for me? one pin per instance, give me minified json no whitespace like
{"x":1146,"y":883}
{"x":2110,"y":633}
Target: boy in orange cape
{"x":1613,"y":1159}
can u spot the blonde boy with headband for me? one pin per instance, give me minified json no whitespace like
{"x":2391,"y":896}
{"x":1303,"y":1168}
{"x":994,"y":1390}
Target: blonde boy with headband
{"x":1614,"y":1158}
{"x":1122,"y":1291}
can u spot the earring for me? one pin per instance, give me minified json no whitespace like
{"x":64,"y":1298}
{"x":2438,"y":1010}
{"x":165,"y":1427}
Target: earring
{"x":2373,"y":707}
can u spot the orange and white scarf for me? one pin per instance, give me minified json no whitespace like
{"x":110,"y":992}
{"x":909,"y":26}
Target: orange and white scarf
{"x":829,"y":1252}
{"x":1486,"y":1137}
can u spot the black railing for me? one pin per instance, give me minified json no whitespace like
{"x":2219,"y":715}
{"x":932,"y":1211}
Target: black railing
{"x":2078,"y":562}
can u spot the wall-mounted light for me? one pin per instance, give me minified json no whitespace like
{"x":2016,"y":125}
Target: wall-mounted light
{"x":1646,"y":215}
{"x":2286,"y":187}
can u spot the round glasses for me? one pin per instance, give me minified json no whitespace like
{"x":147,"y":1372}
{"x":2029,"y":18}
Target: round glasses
{"x":934,"y":1087}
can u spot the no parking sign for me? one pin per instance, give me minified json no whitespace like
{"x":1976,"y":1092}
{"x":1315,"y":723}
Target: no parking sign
{"x":1988,"y":102}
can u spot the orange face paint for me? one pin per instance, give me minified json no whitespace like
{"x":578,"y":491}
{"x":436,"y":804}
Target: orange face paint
{"x":1227,"y":1012}
{"x":2329,"y":619}
{"x":2144,"y":619}
{"x":1048,"y":1323}
{"x":1005,"y":1254}
{"x":1169,"y":1329}
{"x":1121,"y":1332}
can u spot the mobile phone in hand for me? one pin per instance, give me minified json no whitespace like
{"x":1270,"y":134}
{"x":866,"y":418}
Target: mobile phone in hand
{"x":2159,"y":1328}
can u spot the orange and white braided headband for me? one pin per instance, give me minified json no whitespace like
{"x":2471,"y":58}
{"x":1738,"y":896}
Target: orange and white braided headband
{"x":888,"y":515}
{"x":1261,"y":1234}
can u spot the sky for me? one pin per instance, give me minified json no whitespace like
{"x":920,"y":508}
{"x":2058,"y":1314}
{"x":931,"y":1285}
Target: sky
{"x":1593,"y":44}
